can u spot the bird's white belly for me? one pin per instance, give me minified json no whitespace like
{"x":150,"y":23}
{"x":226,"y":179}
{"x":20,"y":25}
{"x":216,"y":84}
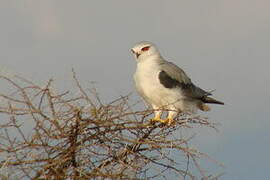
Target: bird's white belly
{"x":155,"y":93}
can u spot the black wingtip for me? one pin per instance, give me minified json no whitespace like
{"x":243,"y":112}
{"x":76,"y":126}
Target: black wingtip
{"x":212,"y":101}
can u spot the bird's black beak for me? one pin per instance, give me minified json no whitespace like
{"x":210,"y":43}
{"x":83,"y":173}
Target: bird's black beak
{"x":136,"y":53}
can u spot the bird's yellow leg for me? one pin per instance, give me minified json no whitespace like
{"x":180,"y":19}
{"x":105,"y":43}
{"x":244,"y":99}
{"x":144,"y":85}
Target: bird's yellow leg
{"x":169,"y":120}
{"x":157,"y":117}
{"x":170,"y":117}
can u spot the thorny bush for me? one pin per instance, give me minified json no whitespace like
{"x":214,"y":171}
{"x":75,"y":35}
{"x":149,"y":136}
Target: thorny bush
{"x":49,"y":135}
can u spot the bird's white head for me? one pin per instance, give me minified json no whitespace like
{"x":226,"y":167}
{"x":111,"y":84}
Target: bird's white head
{"x":144,"y":50}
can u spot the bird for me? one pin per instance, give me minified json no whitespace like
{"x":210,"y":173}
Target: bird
{"x":165,"y":86}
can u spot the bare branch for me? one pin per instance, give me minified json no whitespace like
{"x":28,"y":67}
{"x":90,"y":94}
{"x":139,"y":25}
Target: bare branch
{"x":49,"y":135}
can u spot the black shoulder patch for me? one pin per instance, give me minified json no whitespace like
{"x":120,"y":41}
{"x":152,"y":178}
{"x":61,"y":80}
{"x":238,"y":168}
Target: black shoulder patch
{"x":190,"y":90}
{"x":167,"y":81}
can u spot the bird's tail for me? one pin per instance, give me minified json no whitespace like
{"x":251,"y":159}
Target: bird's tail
{"x":211,"y":100}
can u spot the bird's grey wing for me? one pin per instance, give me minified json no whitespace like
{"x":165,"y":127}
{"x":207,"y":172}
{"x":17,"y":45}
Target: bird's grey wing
{"x":171,"y":76}
{"x":175,"y":72}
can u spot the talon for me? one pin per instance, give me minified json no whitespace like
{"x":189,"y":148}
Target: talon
{"x":153,"y":120}
{"x":169,"y":121}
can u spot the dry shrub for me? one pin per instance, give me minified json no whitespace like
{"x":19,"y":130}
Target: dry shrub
{"x":49,"y":135}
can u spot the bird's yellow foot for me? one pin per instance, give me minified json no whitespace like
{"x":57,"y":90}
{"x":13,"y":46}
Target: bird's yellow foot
{"x":169,"y":121}
{"x":153,"y":120}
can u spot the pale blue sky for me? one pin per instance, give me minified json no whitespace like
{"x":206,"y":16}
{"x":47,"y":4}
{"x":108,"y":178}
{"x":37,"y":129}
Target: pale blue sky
{"x":221,"y":44}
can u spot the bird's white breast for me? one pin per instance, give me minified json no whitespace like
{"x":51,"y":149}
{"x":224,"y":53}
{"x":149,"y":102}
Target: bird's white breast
{"x":149,"y":86}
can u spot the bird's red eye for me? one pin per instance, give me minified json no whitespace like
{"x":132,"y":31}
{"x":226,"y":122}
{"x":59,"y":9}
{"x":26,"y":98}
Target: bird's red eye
{"x":146,"y":48}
